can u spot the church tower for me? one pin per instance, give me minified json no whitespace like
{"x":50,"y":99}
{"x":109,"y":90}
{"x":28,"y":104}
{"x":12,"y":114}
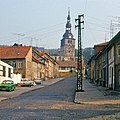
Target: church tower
{"x":68,"y":42}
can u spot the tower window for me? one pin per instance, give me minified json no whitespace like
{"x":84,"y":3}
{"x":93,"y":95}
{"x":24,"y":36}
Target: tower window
{"x":69,"y":41}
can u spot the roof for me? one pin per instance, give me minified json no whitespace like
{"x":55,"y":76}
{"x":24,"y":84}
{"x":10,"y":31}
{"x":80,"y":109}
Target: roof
{"x":14,"y":51}
{"x":115,"y":38}
{"x":39,"y":52}
{"x":101,"y":44}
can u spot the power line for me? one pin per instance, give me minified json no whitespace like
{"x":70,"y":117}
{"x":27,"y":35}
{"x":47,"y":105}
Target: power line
{"x":97,"y":25}
{"x":85,"y":6}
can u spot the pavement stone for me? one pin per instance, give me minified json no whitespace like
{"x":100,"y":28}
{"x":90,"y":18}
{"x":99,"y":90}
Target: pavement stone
{"x":96,"y":95}
{"x":20,"y":90}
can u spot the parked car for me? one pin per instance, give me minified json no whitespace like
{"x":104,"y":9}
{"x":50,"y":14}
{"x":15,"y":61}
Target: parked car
{"x":37,"y":81}
{"x":26,"y":83}
{"x":7,"y":85}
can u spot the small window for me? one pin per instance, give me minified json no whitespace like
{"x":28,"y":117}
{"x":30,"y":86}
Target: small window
{"x":9,"y":72}
{"x":62,"y":68}
{"x":4,"y":71}
{"x":14,"y":64}
{"x":20,"y":65}
{"x":70,"y":41}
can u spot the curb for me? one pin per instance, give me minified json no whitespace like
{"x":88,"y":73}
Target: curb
{"x":80,"y":99}
{"x":104,"y":102}
{"x":2,"y":99}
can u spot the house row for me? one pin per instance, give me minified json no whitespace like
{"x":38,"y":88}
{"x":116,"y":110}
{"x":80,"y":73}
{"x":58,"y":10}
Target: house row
{"x":68,"y":65}
{"x":104,"y":65}
{"x":29,"y":62}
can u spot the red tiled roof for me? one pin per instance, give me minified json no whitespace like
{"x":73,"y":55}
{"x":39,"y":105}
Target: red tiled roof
{"x":14,"y":51}
{"x":102,"y":44}
{"x":99,"y":47}
{"x":39,"y":52}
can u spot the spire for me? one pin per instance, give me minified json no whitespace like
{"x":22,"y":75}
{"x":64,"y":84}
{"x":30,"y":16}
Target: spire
{"x":68,"y":25}
{"x":68,"y":33}
{"x":68,"y":18}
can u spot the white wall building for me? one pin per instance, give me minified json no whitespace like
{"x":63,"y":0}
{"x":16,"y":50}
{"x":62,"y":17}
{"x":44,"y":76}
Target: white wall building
{"x":6,"y":71}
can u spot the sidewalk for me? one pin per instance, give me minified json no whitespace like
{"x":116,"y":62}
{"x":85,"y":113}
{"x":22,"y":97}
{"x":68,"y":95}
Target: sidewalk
{"x":20,"y":90}
{"x":96,"y":95}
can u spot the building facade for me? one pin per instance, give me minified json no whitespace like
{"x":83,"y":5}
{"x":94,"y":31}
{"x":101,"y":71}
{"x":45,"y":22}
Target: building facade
{"x":29,"y":62}
{"x":20,"y":57}
{"x":107,"y":64}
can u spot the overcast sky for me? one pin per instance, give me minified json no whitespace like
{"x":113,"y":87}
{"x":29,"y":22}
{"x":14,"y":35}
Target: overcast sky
{"x":42,"y":22}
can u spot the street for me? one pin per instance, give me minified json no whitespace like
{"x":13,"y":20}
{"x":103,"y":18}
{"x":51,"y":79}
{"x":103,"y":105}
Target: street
{"x":55,"y":102}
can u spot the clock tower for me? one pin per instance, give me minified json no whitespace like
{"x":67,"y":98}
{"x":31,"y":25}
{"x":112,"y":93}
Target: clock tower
{"x":68,"y":42}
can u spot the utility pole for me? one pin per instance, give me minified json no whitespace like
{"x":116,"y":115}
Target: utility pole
{"x":79,"y":61}
{"x":114,"y":26}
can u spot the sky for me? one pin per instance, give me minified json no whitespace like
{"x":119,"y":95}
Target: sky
{"x":42,"y":23}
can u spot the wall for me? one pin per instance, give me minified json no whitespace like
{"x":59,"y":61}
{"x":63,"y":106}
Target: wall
{"x":28,"y":64}
{"x":111,"y":68}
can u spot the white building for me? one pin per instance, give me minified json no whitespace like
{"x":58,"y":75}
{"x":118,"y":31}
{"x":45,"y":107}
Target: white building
{"x":6,"y":71}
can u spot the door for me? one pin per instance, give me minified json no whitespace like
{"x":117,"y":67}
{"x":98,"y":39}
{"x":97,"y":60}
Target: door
{"x":119,"y":78}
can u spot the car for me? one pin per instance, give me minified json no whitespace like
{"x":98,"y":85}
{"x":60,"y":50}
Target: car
{"x":7,"y":85}
{"x":26,"y":83}
{"x":37,"y":81}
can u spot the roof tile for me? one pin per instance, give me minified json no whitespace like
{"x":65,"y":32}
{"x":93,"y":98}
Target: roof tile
{"x":14,"y":51}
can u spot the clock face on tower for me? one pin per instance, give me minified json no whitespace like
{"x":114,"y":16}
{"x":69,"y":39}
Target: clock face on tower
{"x":70,"y":36}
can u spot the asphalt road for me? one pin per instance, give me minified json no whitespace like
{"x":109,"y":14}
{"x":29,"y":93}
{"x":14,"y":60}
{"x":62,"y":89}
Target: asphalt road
{"x":55,"y":102}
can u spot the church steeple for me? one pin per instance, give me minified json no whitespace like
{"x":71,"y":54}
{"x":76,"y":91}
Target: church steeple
{"x":68,"y":41}
{"x":68,"y":33}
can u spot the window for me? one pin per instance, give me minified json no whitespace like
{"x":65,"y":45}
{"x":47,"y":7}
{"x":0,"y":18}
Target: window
{"x":70,"y":41}
{"x":4,"y":71}
{"x":62,"y":68}
{"x":1,"y":70}
{"x":14,"y":64}
{"x":9,"y":72}
{"x":119,"y":78}
{"x":20,"y":64}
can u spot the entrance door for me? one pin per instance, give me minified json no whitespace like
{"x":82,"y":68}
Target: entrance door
{"x":104,"y":77}
{"x":112,"y":79}
{"x":119,"y":78}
